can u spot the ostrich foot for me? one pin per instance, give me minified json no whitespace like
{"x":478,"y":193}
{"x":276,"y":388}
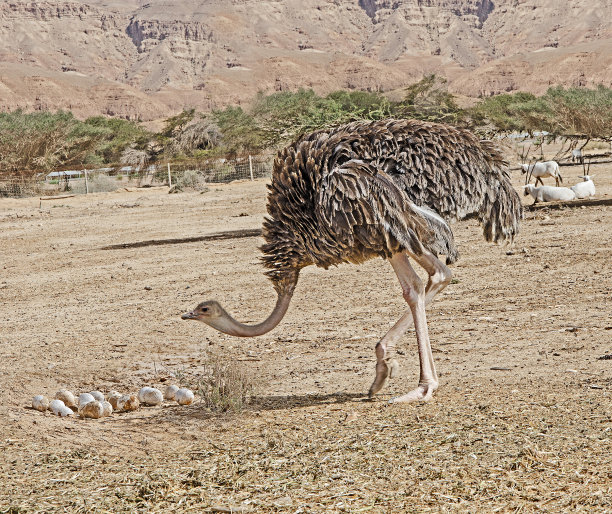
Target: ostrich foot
{"x":422,"y":393}
{"x":384,"y":369}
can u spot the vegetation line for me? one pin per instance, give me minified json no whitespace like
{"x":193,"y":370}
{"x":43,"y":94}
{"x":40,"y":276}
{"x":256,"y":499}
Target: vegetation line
{"x":43,"y":141}
{"x":229,"y":234}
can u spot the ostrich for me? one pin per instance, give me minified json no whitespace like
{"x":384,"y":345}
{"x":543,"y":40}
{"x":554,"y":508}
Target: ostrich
{"x":378,"y":189}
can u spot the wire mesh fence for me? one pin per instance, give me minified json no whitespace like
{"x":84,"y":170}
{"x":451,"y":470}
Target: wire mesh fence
{"x":181,"y":176}
{"x":19,"y":187}
{"x":223,"y":170}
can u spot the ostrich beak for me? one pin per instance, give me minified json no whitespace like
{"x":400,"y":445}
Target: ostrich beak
{"x":189,"y":315}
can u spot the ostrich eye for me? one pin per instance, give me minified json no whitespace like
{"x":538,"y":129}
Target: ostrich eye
{"x":204,"y":309}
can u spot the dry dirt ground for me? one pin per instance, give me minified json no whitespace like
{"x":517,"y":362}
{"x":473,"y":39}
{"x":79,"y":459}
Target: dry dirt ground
{"x":522,"y":420}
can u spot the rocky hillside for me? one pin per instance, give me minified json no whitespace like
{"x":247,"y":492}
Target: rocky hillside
{"x":147,"y":60}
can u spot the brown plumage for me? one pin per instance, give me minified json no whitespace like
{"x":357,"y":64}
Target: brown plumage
{"x":384,"y":188}
{"x":348,"y":194}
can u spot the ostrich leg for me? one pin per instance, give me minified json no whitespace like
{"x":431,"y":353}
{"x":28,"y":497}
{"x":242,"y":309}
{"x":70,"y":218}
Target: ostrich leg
{"x":439,"y":277}
{"x":414,"y":295}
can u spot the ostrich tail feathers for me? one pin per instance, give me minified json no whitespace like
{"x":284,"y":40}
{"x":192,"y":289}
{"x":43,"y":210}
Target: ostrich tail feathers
{"x":500,"y":215}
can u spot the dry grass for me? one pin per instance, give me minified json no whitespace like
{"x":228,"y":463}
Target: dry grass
{"x":189,"y":180}
{"x":522,"y":421}
{"x":477,"y":455}
{"x":98,"y":184}
{"x":223,"y":385}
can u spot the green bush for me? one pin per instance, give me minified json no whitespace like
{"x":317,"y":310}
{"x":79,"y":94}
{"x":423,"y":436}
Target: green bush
{"x":43,"y":141}
{"x":429,"y":100}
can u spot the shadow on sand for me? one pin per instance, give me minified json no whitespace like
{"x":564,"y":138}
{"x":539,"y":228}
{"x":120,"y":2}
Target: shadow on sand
{"x":262,"y":403}
{"x":174,"y":413}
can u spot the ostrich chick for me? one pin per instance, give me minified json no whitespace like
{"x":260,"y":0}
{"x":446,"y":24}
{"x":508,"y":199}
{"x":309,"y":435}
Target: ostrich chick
{"x":378,"y":189}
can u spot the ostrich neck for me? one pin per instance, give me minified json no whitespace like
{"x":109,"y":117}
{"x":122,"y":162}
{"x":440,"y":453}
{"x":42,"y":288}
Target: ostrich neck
{"x":229,"y":325}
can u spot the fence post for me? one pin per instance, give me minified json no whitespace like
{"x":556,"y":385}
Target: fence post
{"x":251,"y":166}
{"x":86,"y":184}
{"x":169,"y":176}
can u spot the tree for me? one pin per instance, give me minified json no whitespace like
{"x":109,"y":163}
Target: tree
{"x":578,"y":113}
{"x":429,"y":100}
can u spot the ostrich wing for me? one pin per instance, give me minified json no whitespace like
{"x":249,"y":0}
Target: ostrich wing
{"x":364,"y":205}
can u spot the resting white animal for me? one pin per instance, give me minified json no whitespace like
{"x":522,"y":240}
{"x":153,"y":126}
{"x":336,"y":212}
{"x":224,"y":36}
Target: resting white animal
{"x":543,"y":169}
{"x":584,"y":189}
{"x":549,"y":193}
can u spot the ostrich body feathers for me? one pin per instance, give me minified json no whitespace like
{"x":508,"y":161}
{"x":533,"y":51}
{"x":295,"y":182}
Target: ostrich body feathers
{"x":370,"y":189}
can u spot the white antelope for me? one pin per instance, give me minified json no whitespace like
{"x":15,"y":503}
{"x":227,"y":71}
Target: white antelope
{"x":542,"y":169}
{"x":549,"y":193}
{"x":577,"y":156}
{"x":585,"y":188}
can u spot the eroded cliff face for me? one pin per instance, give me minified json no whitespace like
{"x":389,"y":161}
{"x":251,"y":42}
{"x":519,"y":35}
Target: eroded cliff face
{"x":181,"y":53}
{"x":68,"y":55}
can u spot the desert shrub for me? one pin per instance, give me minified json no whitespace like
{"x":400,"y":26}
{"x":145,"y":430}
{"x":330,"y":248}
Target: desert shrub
{"x":43,"y":141}
{"x":97,"y":184}
{"x":362,"y":104}
{"x":135,"y":157}
{"x":429,"y":100}
{"x":199,"y":134}
{"x":224,"y":385}
{"x":240,"y":133}
{"x":114,"y":136}
{"x":283,"y":116}
{"x":189,"y":180}
{"x":502,"y":113}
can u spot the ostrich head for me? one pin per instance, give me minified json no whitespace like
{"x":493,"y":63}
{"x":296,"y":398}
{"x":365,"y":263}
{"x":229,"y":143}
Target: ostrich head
{"x":214,"y":315}
{"x":207,"y":312}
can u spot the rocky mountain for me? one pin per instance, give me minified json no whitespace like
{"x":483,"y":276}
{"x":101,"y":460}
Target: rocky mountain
{"x":149,"y":59}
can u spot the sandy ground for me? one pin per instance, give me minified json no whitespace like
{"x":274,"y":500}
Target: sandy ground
{"x":522,"y":420}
